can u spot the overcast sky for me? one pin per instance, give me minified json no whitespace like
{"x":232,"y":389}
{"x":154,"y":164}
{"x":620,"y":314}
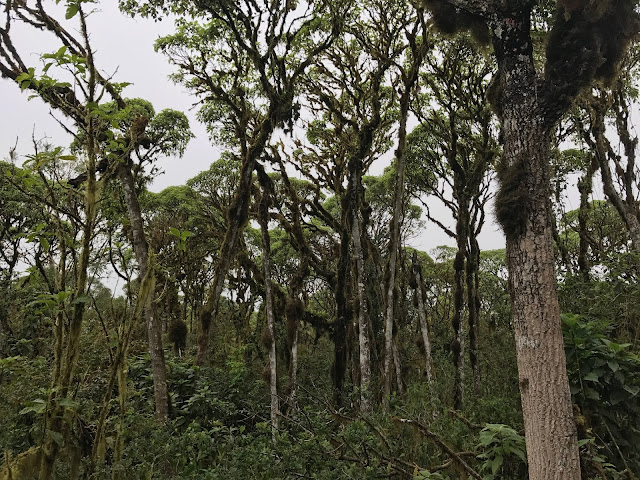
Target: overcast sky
{"x":124,"y":46}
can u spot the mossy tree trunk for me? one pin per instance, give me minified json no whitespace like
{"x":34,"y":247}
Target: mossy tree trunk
{"x":263,"y":218}
{"x":457,"y":321}
{"x":523,"y":208}
{"x":473,"y":308}
{"x":154,"y":326}
{"x":422,"y":317}
{"x":595,"y":135}
{"x":409,"y":77}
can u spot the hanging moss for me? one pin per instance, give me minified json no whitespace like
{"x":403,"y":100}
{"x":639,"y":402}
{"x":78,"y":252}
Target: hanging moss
{"x":266,"y":339}
{"x":178,"y":335}
{"x":586,"y":43}
{"x":512,"y":204}
{"x":451,"y":20}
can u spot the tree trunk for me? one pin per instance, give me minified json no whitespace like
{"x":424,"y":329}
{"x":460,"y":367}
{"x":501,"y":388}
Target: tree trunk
{"x":363,"y":315}
{"x":473,"y":307}
{"x":154,"y":326}
{"x":422,"y":315}
{"x":625,"y":207}
{"x":266,"y":265}
{"x":523,"y":209}
{"x":343,"y":315}
{"x":56,"y":417}
{"x":237,"y":218}
{"x":585,"y":187}
{"x":394,"y":245}
{"x":457,"y":322}
{"x":398,"y":368}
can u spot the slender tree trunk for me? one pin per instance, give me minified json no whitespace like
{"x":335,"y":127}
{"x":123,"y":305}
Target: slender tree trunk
{"x":422,"y":316}
{"x":266,"y":265}
{"x":585,"y":187}
{"x":154,"y":326}
{"x":473,"y":307}
{"x":363,"y":314}
{"x":628,"y":214}
{"x":394,"y":247}
{"x":56,"y":416}
{"x":398,"y":368}
{"x":457,"y":322}
{"x":523,"y":208}
{"x":237,"y":218}
{"x":343,"y":315}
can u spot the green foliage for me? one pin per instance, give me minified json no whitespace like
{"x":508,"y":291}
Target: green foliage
{"x":605,"y":383}
{"x":503,"y":452}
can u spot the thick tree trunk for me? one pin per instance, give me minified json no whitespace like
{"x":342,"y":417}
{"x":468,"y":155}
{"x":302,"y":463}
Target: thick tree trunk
{"x":523,"y":209}
{"x":154,"y":326}
{"x":422,"y":316}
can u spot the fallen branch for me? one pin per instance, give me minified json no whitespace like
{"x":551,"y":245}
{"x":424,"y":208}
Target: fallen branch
{"x":441,"y":443}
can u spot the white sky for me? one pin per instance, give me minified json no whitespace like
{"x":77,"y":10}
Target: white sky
{"x":125,"y":46}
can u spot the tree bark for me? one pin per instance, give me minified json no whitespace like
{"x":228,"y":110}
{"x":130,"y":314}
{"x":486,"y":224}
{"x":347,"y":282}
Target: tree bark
{"x":422,"y":316}
{"x":237,"y":218}
{"x":154,"y":326}
{"x":523,"y":208}
{"x":363,"y":314}
{"x":268,"y":288}
{"x":473,"y":307}
{"x":343,"y":313}
{"x":457,"y":322}
{"x":585,"y":187}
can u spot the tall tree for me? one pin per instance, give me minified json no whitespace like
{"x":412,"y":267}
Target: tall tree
{"x":456,"y":142}
{"x":415,"y":34}
{"x":585,"y":42}
{"x":244,"y":64}
{"x":114,"y":149}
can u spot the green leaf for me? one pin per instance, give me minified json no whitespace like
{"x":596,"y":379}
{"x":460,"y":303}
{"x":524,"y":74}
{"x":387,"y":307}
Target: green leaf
{"x":45,"y":244}
{"x":613,"y":365}
{"x":56,"y":437}
{"x":81,"y":299}
{"x":591,"y":377}
{"x":71,"y":12}
{"x":591,"y":394}
{"x":68,"y":403}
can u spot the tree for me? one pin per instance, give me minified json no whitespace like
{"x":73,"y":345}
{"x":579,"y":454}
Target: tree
{"x":118,"y":131}
{"x":584,"y":43}
{"x":456,"y":143}
{"x":245,"y":64}
{"x":407,"y":77}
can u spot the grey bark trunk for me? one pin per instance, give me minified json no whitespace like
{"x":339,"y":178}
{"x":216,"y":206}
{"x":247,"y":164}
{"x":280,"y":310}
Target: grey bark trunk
{"x":422,"y":316}
{"x":523,"y":208}
{"x":266,"y":265}
{"x":154,"y":326}
{"x":473,"y":307}
{"x":363,"y":315}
